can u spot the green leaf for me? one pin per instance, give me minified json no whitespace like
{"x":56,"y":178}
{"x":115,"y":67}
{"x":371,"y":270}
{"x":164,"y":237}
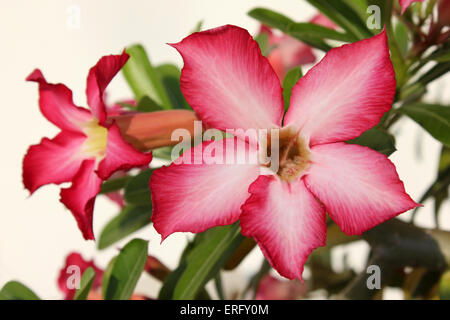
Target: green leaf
{"x":263,"y":42}
{"x":170,"y":78}
{"x":309,"y":31}
{"x":343,"y":15}
{"x":107,"y":275}
{"x":112,"y":185}
{"x":271,"y":18}
{"x":376,"y":139}
{"x":289,"y":82}
{"x":163,"y":153}
{"x":401,"y":37}
{"x":15,"y":290}
{"x":147,"y":104}
{"x":432,"y":117}
{"x":137,"y":190}
{"x":143,"y":78}
{"x":132,"y":218}
{"x":85,"y":284}
{"x":444,"y":286}
{"x":126,"y":270}
{"x":206,"y":259}
{"x":434,"y":73}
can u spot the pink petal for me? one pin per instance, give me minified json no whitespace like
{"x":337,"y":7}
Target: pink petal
{"x":227,"y":81}
{"x":52,"y":161}
{"x":344,"y":94}
{"x":56,"y":104}
{"x":80,"y":197}
{"x":98,"y":79}
{"x":194,"y":197}
{"x":406,"y":3}
{"x":359,"y":187}
{"x":120,"y":155}
{"x":286,"y":221}
{"x":75,"y":259}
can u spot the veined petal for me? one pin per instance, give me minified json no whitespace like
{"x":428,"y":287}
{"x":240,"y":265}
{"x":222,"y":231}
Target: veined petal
{"x":406,"y":3}
{"x":53,"y":161}
{"x":74,"y":260}
{"x":120,"y":155}
{"x":80,"y":197}
{"x":227,"y":81}
{"x":98,"y":79}
{"x":56,"y":104}
{"x":286,"y":221}
{"x":345,"y":94}
{"x":359,"y":187}
{"x":197,"y":196}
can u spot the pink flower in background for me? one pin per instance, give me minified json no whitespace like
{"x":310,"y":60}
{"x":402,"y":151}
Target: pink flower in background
{"x":87,"y":150}
{"x":75,"y":259}
{"x":289,"y":52}
{"x":271,"y":288}
{"x":230,"y":85}
{"x":406,"y":3}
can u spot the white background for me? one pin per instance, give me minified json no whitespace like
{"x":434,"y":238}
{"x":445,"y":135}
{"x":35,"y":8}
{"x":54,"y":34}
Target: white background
{"x":36,"y":233}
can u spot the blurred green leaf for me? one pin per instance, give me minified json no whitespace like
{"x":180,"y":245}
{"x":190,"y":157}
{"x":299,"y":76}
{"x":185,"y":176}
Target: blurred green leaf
{"x":344,"y":16}
{"x":401,"y":37}
{"x":434,"y":73}
{"x":143,"y":78}
{"x":444,"y":286}
{"x":206,"y":259}
{"x":85,"y":284}
{"x":114,"y":184}
{"x":126,"y":270}
{"x":14,"y":290}
{"x":289,"y":82}
{"x":263,"y":42}
{"x":198,"y":27}
{"x":271,"y":18}
{"x":170,"y":78}
{"x":376,"y":139}
{"x":432,"y":117}
{"x":309,"y":31}
{"x":107,"y":275}
{"x":137,"y":190}
{"x":132,"y":218}
{"x":147,"y":104}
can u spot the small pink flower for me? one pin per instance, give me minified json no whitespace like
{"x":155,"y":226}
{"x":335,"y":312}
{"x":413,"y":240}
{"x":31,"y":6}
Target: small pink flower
{"x":230,"y":85}
{"x":406,"y":3}
{"x":289,"y":52}
{"x":87,"y":150}
{"x":75,"y":259}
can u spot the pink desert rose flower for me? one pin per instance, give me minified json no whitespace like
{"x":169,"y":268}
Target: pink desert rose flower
{"x":230,"y":85}
{"x":406,"y":3}
{"x":289,"y":52}
{"x":88,"y":150}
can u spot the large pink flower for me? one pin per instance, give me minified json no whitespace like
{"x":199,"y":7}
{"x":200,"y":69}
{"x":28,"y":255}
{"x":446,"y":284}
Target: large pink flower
{"x":289,"y":52}
{"x":87,"y":150}
{"x":231,"y":85}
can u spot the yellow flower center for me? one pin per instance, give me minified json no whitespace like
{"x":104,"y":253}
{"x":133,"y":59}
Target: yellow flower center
{"x":95,"y":144}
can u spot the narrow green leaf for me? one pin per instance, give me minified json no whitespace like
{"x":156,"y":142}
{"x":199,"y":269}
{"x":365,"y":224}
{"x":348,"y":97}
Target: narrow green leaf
{"x":137,"y":190}
{"x":112,"y":185}
{"x":289,"y":82}
{"x":343,"y":15}
{"x":401,"y":37}
{"x":126,"y":270}
{"x":14,"y":290}
{"x":132,"y":218}
{"x":309,"y":31}
{"x":271,"y":18}
{"x":170,"y":78}
{"x":376,"y":139}
{"x":434,"y":73}
{"x":147,"y":104}
{"x":85,"y":284}
{"x":263,"y":42}
{"x":206,"y":259}
{"x":435,"y":119}
{"x":107,"y":275}
{"x":143,"y":78}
